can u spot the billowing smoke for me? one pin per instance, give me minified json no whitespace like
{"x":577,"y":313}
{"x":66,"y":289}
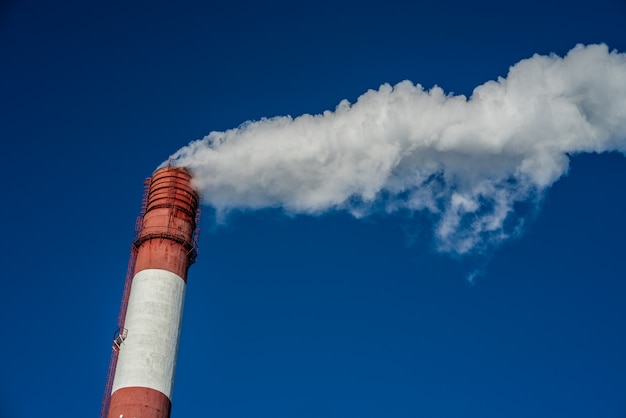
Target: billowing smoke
{"x":469,"y":163}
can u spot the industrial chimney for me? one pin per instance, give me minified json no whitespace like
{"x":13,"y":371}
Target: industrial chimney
{"x":143,"y":359}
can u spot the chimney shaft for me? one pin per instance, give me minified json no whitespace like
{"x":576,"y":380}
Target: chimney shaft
{"x":164,"y":250}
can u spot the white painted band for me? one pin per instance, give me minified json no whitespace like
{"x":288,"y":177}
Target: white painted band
{"x":147,"y":357}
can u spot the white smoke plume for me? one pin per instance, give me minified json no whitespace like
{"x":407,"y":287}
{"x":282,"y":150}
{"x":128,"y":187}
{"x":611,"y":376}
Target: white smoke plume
{"x":468,"y":162}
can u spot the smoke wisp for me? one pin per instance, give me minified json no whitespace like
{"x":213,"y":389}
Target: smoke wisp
{"x":469,"y":162}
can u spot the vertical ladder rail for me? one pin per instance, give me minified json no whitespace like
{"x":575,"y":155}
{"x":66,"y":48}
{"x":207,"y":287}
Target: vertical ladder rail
{"x":119,"y":336}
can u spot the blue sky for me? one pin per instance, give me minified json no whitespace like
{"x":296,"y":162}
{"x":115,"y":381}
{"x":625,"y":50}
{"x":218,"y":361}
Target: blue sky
{"x":296,"y":316}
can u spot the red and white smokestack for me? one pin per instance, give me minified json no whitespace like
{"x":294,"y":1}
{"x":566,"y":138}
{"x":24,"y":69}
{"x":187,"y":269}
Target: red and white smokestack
{"x":164,"y":249}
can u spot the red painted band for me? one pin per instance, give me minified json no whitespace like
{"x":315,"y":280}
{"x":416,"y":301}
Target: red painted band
{"x":163,"y":254}
{"x":140,"y":403}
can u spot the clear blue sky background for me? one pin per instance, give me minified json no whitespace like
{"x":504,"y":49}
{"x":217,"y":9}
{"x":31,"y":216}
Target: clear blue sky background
{"x":294,"y":317}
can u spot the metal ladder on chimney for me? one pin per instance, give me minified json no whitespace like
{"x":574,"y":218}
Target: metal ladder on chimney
{"x":121,"y":333}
